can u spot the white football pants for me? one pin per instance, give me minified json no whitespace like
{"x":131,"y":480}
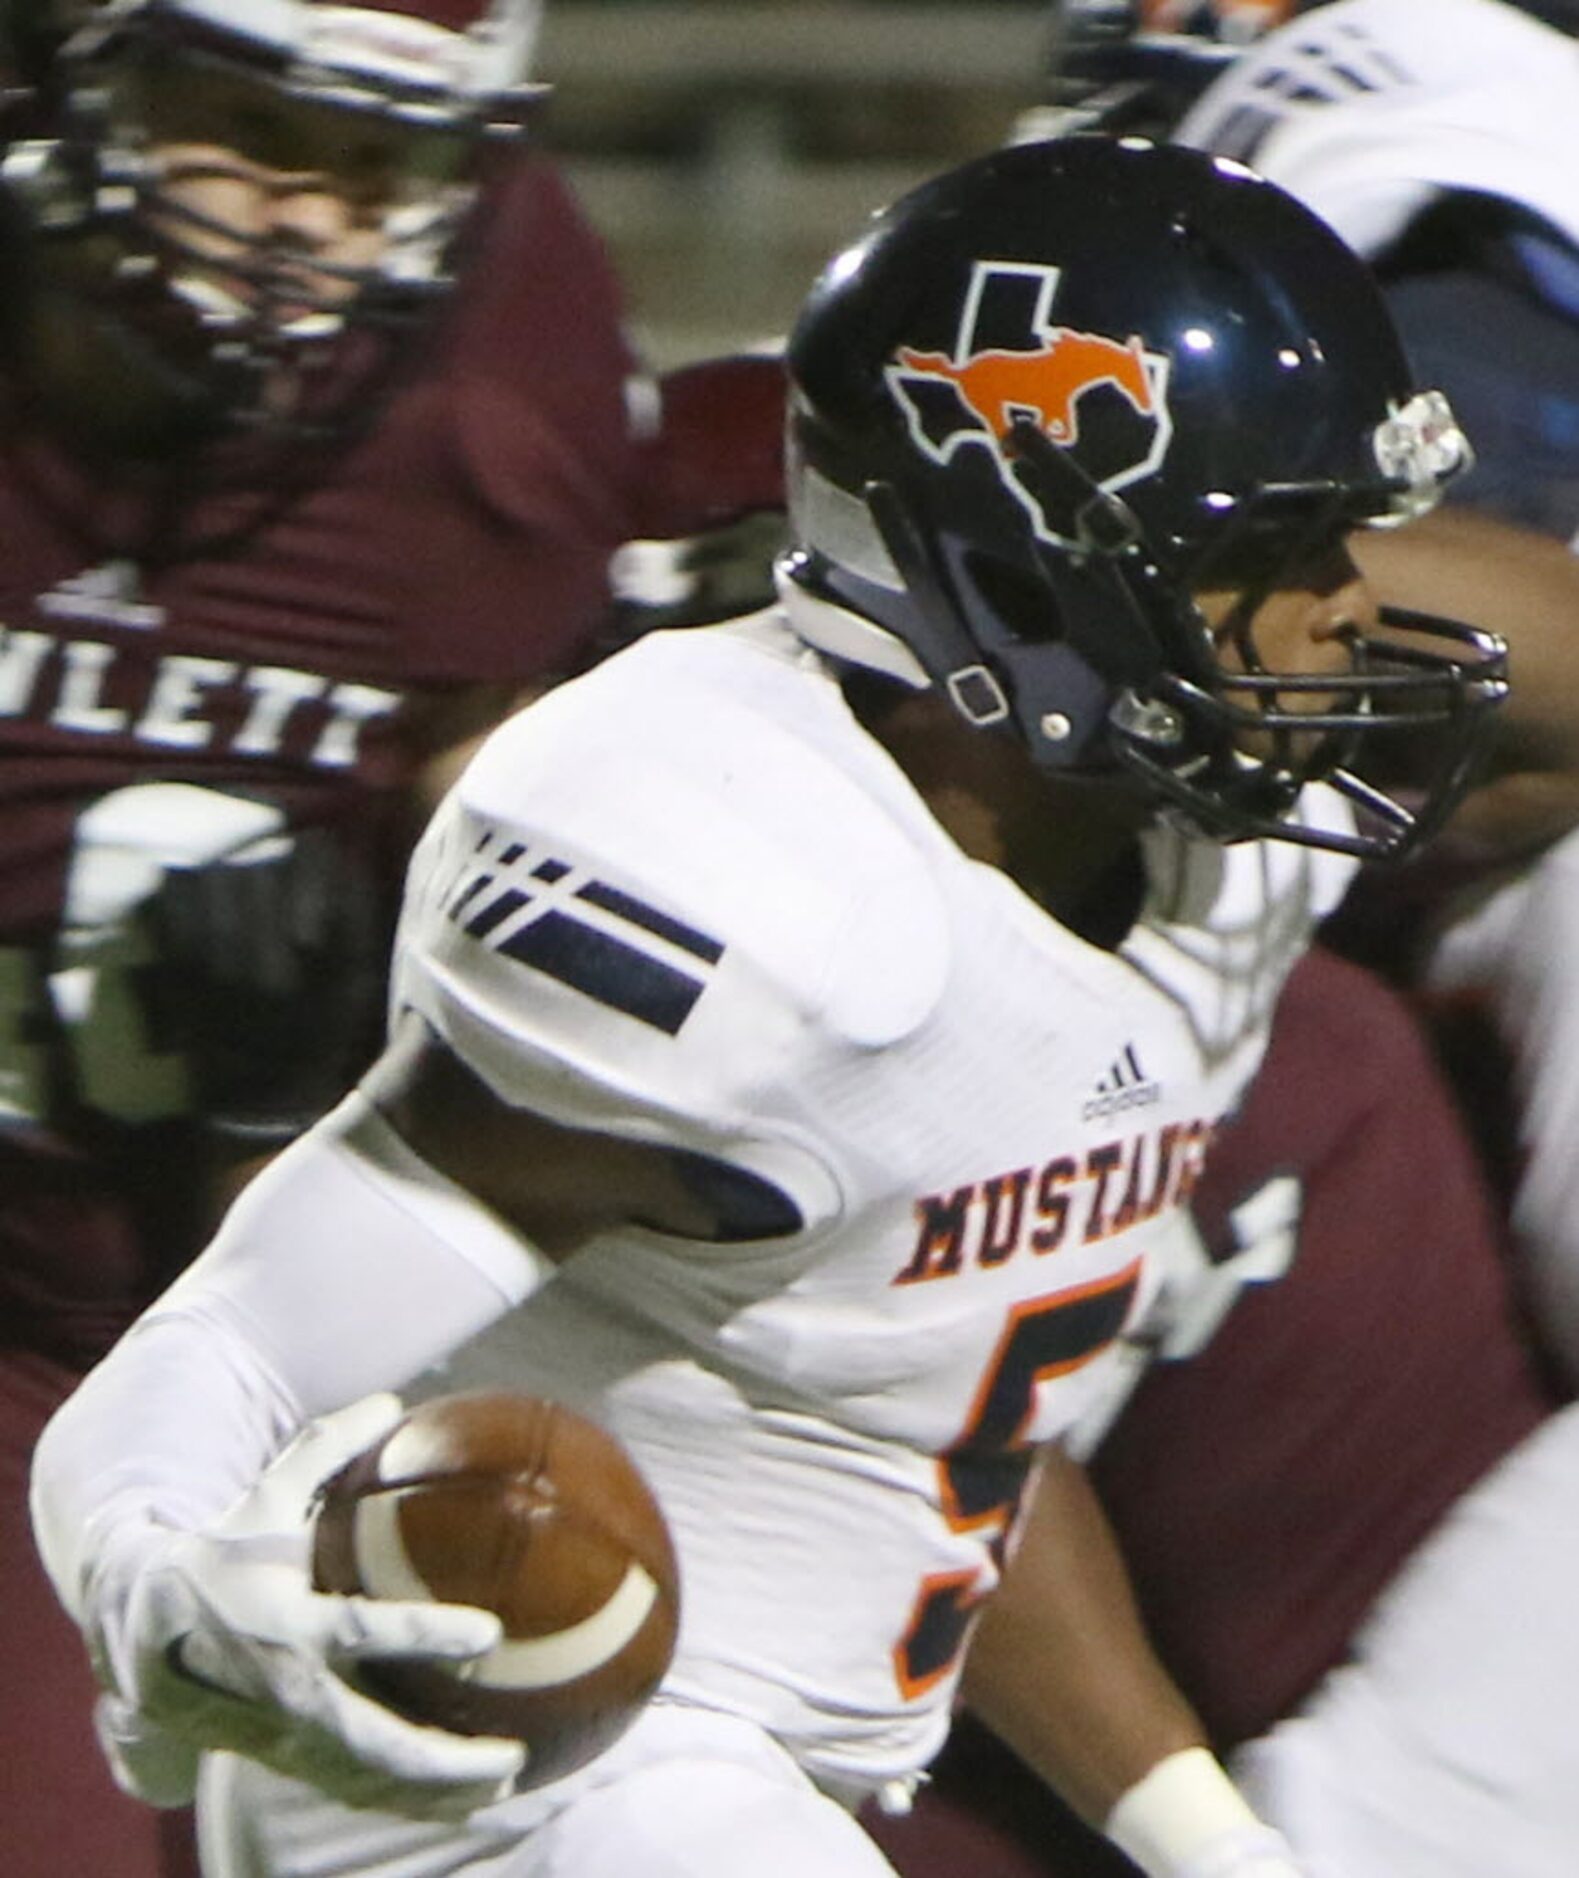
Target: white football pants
{"x":685,"y":1794}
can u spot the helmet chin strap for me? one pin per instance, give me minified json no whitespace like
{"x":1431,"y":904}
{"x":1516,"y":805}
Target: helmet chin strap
{"x":972,"y":687}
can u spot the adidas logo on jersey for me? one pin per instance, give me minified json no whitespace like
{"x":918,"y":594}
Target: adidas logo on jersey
{"x":110,"y":594}
{"x":1125,"y":1086}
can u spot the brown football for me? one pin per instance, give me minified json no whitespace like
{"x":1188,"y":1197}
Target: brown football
{"x":528,"y":1509}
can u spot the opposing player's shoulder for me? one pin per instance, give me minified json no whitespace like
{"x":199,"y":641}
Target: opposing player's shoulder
{"x":530,"y":238}
{"x":539,"y":366}
{"x":685,"y":864}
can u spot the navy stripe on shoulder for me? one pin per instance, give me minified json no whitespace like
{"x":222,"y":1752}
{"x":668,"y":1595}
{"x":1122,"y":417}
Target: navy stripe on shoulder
{"x":544,"y":912}
{"x":598,"y":893}
{"x":605,"y":968}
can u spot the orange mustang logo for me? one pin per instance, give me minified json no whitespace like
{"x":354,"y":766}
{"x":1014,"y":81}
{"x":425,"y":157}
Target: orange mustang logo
{"x":1012,"y":361}
{"x":1045,"y":385}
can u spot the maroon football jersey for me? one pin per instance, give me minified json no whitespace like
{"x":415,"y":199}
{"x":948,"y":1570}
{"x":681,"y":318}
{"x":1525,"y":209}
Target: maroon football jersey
{"x":276,"y":632}
{"x":1265,"y":1490}
{"x":186,"y":669}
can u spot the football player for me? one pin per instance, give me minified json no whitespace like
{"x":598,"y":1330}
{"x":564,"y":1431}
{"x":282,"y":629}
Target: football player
{"x":806,"y":1032}
{"x":313,"y":446}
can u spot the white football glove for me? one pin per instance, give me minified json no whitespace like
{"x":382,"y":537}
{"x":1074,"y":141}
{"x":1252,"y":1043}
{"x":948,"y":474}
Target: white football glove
{"x":216,"y":1640}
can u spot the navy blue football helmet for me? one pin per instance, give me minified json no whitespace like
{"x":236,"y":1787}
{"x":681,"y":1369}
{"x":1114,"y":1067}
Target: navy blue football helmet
{"x":1051,"y":397}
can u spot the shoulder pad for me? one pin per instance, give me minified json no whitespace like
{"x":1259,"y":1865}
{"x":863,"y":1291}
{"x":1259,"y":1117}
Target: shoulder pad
{"x":667,"y":891}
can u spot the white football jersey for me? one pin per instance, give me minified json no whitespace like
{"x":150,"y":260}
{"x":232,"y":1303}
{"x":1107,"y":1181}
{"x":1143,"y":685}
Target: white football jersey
{"x":689,"y":900}
{"x":1366,"y":109}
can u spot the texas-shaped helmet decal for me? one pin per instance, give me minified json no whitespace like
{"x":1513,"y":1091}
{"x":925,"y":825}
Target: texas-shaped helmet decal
{"x":1011,"y":361}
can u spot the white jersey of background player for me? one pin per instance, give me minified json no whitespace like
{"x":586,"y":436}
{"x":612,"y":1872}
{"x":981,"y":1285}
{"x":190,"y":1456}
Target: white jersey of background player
{"x":851,"y":1022}
{"x":1370,"y":112}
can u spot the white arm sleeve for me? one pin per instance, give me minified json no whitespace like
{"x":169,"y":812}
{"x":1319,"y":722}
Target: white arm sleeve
{"x":347,"y":1266}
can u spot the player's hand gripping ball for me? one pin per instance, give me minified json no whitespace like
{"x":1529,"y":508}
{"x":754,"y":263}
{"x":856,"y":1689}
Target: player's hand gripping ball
{"x":529,"y":1510}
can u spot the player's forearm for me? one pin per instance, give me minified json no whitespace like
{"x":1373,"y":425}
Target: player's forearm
{"x":1060,"y":1667}
{"x":346,"y":1267}
{"x":1062,"y":1670}
{"x":163,"y":1435}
